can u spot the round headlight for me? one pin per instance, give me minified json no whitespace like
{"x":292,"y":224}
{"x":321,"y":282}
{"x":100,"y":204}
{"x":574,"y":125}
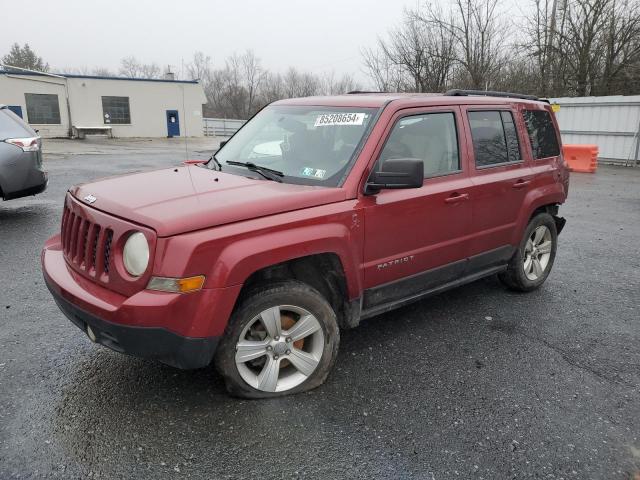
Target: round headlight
{"x":136,"y":254}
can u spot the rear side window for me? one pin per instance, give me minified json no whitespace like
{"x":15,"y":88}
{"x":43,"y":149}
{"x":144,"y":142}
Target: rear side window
{"x":542,"y":134}
{"x":495,"y":138}
{"x":11,"y":126}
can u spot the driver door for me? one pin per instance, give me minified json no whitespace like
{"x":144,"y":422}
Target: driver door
{"x":417,"y":239}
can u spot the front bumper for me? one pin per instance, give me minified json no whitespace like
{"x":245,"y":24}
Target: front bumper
{"x":181,"y":330}
{"x":147,"y":342}
{"x":35,"y":187}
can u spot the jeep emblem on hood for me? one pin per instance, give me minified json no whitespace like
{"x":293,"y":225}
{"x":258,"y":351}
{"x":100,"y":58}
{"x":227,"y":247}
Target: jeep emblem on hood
{"x":89,"y":199}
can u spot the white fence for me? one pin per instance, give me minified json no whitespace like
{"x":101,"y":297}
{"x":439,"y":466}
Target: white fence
{"x":612,"y":123}
{"x":220,"y":127}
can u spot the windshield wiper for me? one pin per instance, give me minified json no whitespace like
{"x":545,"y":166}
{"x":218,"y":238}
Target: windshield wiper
{"x":215,"y":160}
{"x":267,"y":173}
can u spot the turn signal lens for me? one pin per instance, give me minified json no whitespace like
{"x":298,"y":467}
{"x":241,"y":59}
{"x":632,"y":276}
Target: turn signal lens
{"x":176,"y":285}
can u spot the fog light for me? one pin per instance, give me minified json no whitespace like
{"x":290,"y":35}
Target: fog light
{"x":176,"y":285}
{"x":91,"y":334}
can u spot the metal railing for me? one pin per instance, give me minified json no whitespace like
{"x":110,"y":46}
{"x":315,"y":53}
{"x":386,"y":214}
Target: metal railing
{"x":220,"y":127}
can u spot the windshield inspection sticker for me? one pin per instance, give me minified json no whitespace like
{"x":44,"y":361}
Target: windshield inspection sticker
{"x":327,"y":119}
{"x":313,"y":172}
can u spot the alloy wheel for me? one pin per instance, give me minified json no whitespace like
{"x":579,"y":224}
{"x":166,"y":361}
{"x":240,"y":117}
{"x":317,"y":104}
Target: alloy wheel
{"x":279,"y":348}
{"x":537,"y":253}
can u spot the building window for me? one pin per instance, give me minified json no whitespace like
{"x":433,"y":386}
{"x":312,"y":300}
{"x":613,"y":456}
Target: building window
{"x":42,"y":108}
{"x":430,"y":137}
{"x":495,"y":139}
{"x":116,"y":110}
{"x":542,"y":134}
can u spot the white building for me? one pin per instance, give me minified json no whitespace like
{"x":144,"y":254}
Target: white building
{"x":64,"y":105}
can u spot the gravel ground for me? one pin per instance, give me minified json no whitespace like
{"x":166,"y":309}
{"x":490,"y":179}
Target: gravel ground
{"x":474,"y":383}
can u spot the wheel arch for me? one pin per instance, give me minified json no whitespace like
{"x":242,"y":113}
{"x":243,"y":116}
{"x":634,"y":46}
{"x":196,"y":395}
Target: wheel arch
{"x":322,"y":256}
{"x":547,"y":201}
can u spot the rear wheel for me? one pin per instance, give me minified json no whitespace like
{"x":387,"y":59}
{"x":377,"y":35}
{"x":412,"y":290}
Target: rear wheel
{"x":282,"y":339}
{"x":532,"y":262}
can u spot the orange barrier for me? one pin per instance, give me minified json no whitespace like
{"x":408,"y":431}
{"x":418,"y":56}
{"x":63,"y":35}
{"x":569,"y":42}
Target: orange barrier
{"x":581,"y":158}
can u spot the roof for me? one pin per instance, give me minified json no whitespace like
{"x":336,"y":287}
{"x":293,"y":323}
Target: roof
{"x":95,"y":77}
{"x":377,"y":100}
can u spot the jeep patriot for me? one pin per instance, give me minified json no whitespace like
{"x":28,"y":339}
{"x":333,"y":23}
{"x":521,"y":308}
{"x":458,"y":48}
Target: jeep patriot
{"x":318,"y":213}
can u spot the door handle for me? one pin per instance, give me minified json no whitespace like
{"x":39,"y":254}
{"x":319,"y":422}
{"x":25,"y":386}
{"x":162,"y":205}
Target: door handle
{"x":521,"y":183}
{"x":457,"y":197}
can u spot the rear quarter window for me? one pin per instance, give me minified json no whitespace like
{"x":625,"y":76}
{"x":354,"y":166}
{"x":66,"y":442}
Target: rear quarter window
{"x":12,"y":126}
{"x":542,"y":134}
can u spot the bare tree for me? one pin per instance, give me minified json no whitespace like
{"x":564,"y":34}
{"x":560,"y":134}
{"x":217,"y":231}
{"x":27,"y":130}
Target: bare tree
{"x":200,"y":67}
{"x":130,"y":67}
{"x":252,"y":77}
{"x":621,"y":61}
{"x":382,"y":71}
{"x":479,"y":33}
{"x":332,"y":86}
{"x":585,"y":47}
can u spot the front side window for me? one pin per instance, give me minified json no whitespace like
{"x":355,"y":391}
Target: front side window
{"x":431,"y":138}
{"x":542,"y":134}
{"x":42,"y":108}
{"x":310,"y":145}
{"x":495,"y":138}
{"x":116,"y":110}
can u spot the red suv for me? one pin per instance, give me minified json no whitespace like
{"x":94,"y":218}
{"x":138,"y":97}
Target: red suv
{"x":318,"y":213}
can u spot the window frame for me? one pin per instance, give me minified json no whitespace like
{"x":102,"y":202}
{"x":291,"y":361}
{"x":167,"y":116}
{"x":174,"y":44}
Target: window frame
{"x":420,"y":112}
{"x":473,"y":148}
{"x":26,"y":104}
{"x":530,"y":140}
{"x":102,"y":97}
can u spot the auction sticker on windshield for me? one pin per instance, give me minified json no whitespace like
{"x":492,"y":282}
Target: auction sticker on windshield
{"x":327,"y":119}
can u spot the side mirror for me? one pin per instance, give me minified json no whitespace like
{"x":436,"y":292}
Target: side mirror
{"x":222,"y":144}
{"x":396,"y":173}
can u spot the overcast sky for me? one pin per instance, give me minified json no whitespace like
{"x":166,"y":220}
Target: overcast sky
{"x":313,"y":36}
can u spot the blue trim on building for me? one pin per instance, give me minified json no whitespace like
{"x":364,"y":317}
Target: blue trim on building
{"x":96,"y":77}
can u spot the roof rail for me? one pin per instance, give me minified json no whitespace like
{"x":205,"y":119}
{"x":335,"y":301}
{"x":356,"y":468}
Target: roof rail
{"x":463,"y":93}
{"x":356,"y":92}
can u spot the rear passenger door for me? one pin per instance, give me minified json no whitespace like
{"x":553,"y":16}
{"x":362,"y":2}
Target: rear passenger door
{"x":501,"y":178}
{"x":416,"y":238}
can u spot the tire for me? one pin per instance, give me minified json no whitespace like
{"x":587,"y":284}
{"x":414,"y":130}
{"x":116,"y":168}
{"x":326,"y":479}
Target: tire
{"x":254,"y":349}
{"x":523,"y":274}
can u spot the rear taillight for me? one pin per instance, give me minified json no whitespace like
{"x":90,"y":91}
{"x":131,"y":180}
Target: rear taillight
{"x":26,"y":144}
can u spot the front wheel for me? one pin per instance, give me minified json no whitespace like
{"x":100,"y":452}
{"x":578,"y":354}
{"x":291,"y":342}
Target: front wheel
{"x":282,"y":339}
{"x":531,"y":264}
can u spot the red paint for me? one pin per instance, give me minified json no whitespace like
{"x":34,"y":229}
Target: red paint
{"x":227,"y":227}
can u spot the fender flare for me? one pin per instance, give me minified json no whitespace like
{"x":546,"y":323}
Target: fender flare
{"x":548,"y":195}
{"x":234,"y":266}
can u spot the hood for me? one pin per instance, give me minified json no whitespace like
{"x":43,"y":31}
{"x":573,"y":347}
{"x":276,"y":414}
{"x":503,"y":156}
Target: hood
{"x":183,"y":199}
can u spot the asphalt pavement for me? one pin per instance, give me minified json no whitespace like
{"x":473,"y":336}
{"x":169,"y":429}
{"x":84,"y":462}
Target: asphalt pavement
{"x":477,"y":383}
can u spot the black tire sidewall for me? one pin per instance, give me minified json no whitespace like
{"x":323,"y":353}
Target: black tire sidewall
{"x":259,"y":299}
{"x":518,"y":261}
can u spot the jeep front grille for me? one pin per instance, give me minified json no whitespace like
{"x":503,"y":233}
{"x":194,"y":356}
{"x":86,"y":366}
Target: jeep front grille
{"x":85,"y":244}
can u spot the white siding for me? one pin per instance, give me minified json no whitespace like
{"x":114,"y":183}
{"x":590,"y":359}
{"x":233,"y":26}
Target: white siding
{"x":13,"y":88}
{"x":612,"y":123}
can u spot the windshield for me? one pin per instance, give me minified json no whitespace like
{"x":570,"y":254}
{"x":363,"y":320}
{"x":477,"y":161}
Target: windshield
{"x":309,"y":145}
